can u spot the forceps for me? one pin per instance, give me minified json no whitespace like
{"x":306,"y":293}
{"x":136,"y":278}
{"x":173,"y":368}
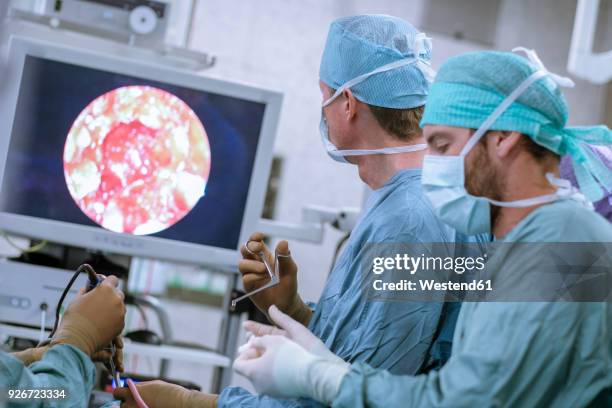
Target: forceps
{"x":272,"y":273}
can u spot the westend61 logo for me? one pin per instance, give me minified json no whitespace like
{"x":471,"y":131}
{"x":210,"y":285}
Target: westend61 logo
{"x":550,"y":272}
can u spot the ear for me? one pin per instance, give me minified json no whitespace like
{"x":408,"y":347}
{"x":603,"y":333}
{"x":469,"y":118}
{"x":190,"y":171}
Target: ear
{"x":350,"y":105}
{"x":505,"y":143}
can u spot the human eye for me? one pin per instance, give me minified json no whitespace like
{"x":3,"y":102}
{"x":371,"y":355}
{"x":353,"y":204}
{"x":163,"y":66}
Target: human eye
{"x":440,"y":146}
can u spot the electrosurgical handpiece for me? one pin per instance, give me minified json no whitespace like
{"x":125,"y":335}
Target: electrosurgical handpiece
{"x":93,"y":281}
{"x":92,"y":277}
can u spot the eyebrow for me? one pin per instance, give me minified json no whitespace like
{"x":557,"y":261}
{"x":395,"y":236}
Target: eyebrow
{"x":437,"y":136}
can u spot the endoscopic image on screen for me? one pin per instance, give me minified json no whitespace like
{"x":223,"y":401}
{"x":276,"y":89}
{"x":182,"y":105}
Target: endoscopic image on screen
{"x":136,"y":160}
{"x":130,"y":155}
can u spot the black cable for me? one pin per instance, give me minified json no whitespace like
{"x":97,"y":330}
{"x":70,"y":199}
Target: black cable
{"x":92,"y":278}
{"x":143,"y":315}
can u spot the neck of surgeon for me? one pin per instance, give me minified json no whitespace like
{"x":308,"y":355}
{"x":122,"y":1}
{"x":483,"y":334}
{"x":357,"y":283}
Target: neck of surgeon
{"x":377,"y":169}
{"x":520,"y":173}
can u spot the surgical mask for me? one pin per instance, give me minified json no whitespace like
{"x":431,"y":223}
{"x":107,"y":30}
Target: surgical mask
{"x":429,"y":74}
{"x":443,"y":177}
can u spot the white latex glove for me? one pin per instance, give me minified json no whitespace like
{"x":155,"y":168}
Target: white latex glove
{"x":291,"y":329}
{"x":279,"y":367}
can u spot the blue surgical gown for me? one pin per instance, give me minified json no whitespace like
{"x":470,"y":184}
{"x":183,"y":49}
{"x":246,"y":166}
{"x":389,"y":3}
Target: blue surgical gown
{"x":396,"y":336}
{"x":530,"y":354}
{"x":62,"y":367}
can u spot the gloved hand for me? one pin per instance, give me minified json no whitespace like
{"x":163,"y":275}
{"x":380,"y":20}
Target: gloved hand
{"x":31,"y":355}
{"x":291,"y":329}
{"x":279,"y":367}
{"x":160,"y":394}
{"x":104,"y":355}
{"x":93,"y":319}
{"x":254,"y":275}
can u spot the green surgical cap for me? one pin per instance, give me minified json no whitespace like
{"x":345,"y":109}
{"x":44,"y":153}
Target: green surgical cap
{"x":469,"y":87}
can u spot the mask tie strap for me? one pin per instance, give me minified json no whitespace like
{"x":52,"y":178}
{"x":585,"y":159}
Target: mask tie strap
{"x":420,"y":44}
{"x":384,"y":150}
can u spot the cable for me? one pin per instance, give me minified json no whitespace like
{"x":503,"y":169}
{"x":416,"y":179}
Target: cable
{"x":43,"y":321}
{"x":33,"y":248}
{"x":60,"y":302}
{"x":143,"y":315}
{"x":132,"y":300}
{"x":139,"y":401}
{"x":92,"y":278}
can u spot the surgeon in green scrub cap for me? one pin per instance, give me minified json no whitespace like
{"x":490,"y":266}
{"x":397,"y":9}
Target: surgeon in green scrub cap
{"x":495,"y":124}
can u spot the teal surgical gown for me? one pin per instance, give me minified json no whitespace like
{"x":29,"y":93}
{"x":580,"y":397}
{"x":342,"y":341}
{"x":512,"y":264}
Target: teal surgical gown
{"x":396,"y":336}
{"x":530,"y":354}
{"x":62,"y":367}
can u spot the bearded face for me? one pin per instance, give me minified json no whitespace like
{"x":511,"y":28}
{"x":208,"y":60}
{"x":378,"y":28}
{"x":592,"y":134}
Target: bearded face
{"x":482,"y":175}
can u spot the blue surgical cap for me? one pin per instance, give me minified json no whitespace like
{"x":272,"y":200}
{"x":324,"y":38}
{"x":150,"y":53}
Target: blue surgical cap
{"x":358,"y":45}
{"x":469,"y":87}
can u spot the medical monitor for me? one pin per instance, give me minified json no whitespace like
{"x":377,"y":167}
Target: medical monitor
{"x":109,"y":153}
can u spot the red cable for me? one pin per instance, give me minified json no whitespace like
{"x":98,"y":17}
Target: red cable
{"x":139,"y":401}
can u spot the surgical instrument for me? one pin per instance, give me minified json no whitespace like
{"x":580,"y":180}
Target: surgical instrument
{"x":272,"y":273}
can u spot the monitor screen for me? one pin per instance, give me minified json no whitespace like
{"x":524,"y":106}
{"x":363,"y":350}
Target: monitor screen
{"x":130,"y":155}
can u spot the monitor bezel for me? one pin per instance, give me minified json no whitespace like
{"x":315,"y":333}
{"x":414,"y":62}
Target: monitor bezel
{"x":97,"y":238}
